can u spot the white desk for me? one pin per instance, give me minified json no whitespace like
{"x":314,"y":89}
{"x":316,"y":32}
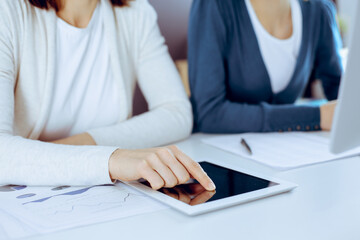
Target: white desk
{"x":326,"y":205}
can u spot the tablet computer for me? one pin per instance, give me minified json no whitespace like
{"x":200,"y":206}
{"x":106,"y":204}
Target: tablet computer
{"x":233,"y":186}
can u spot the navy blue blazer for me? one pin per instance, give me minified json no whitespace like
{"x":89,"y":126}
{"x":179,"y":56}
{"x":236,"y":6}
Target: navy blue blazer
{"x":230,"y":86}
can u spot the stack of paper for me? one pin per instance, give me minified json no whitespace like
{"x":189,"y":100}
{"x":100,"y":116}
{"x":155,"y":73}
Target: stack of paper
{"x":280,"y":150}
{"x":25,"y":211}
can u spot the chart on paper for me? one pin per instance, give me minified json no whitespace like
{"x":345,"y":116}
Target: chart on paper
{"x":48,"y":209}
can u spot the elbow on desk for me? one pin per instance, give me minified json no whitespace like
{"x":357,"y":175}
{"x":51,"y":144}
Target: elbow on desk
{"x":211,"y":126}
{"x":211,"y":122}
{"x":219,"y":120}
{"x":208,"y":120}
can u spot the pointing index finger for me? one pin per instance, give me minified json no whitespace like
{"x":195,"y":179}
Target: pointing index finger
{"x":194,"y":169}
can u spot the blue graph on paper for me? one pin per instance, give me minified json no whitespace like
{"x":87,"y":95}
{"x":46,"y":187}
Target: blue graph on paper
{"x":47,"y":209}
{"x":71,"y":193}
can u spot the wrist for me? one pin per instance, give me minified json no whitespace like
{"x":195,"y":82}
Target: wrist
{"x":79,"y":139}
{"x":326,"y":115}
{"x":112,"y":164}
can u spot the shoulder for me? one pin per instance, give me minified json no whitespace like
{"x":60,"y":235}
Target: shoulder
{"x":323,"y":4}
{"x":136,"y":22}
{"x":139,"y":18}
{"x":219,"y":15}
{"x":137,"y":9}
{"x":222,"y":6}
{"x":323,"y":8}
{"x":139,"y":5}
{"x":10,"y":4}
{"x":213,"y":10}
{"x":321,"y":13}
{"x":16,"y":12}
{"x":14,"y":7}
{"x":219,"y":3}
{"x":10,"y":15}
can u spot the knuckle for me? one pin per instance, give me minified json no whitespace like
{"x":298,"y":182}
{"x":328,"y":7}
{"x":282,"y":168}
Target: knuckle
{"x":185,"y":178}
{"x":194,"y":165}
{"x":162,"y":151}
{"x":143,"y":166}
{"x":152,"y":157}
{"x":174,"y":148}
{"x":172,"y":181}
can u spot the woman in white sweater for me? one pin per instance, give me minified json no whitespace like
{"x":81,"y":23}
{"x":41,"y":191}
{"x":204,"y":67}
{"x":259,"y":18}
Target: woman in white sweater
{"x":67,"y":75}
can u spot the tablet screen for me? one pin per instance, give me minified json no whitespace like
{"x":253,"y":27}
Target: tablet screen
{"x":228,"y":183}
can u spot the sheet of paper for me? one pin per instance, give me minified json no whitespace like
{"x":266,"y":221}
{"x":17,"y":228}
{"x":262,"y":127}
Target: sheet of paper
{"x":13,"y":228}
{"x":48,"y":209}
{"x":280,"y":150}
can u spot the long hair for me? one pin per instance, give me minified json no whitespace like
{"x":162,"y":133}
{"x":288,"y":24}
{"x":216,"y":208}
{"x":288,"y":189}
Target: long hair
{"x":46,"y":4}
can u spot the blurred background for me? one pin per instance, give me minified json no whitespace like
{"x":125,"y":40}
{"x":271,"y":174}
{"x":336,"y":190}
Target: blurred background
{"x":173,"y":20}
{"x":346,"y":14}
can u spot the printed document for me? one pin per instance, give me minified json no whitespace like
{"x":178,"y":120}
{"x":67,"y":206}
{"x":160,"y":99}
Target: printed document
{"x":280,"y":150}
{"x":27,"y":210}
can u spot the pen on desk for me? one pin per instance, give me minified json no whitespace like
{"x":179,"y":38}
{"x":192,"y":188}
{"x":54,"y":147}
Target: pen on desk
{"x":246,"y":146}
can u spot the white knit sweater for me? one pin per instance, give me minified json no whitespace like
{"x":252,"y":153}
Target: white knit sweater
{"x":27,"y":66}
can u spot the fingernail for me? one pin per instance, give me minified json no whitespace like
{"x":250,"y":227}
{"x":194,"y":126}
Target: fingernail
{"x":211,"y":186}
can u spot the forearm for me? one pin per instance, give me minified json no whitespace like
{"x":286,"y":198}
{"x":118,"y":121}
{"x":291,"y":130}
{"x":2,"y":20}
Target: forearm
{"x":290,"y":117}
{"x":231,"y":117}
{"x":161,"y":126}
{"x":30,"y":162}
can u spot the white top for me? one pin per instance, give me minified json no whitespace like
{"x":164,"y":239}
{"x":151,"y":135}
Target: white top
{"x":85,"y":94}
{"x":280,"y":56}
{"x":27,"y":81}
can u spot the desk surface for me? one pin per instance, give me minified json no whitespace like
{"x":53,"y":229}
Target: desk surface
{"x":326,"y":205}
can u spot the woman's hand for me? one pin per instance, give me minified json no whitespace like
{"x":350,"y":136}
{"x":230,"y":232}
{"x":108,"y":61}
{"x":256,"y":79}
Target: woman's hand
{"x":327,"y":115}
{"x":161,"y":167}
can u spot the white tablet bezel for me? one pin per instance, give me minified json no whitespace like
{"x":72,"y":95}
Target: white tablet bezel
{"x":283,"y":186}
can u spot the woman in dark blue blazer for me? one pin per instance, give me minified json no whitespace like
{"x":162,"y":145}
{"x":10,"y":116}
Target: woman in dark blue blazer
{"x":231,"y":85}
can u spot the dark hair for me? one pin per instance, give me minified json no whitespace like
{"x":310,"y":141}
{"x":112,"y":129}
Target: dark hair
{"x":46,"y":4}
